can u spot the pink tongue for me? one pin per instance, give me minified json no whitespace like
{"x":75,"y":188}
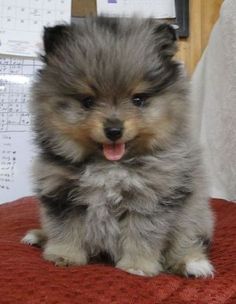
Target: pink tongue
{"x":113,"y":151}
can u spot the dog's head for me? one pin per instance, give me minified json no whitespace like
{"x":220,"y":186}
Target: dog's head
{"x":109,"y":87}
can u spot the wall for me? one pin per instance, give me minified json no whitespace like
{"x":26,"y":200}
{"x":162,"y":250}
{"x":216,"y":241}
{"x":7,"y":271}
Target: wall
{"x":203,"y":14}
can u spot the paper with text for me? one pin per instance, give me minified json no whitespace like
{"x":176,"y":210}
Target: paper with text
{"x":22,"y":22}
{"x":144,"y":8}
{"x":16,"y":147}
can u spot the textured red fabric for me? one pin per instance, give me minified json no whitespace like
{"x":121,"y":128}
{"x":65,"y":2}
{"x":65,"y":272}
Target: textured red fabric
{"x":26,"y":278}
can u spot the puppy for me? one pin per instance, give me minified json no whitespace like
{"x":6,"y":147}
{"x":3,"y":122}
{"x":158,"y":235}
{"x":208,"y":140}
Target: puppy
{"x":118,"y":170}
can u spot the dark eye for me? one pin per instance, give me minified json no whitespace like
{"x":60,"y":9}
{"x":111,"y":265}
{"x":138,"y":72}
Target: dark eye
{"x":88,"y":102}
{"x":139,"y":100}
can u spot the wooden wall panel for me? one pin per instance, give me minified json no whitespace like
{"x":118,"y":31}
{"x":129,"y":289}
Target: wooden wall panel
{"x":81,"y":8}
{"x":203,"y":15}
{"x":210,"y":13}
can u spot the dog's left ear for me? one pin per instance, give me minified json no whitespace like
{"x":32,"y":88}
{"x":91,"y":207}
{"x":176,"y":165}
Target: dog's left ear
{"x":54,"y":36}
{"x":165,"y":37}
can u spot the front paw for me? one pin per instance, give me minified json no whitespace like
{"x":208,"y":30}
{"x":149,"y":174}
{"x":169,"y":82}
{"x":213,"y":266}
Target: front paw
{"x":62,"y":256}
{"x":140,"y":266}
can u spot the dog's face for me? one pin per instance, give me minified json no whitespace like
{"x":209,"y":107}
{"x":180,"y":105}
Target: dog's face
{"x":109,"y":87}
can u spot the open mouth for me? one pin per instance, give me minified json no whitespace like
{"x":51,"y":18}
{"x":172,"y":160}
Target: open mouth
{"x":113,"y":151}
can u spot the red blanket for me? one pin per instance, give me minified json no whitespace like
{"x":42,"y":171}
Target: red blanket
{"x":26,"y":278}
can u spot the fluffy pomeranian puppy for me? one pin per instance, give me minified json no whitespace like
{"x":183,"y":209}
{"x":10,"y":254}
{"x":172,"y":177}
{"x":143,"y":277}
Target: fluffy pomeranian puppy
{"x":118,"y":171}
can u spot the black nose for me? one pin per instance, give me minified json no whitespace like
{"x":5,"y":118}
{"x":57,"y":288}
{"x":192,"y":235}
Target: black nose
{"x":113,"y":133}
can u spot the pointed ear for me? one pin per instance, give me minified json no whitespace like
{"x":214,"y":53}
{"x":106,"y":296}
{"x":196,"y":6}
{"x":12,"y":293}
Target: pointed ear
{"x":54,"y":37}
{"x":165,"y":36}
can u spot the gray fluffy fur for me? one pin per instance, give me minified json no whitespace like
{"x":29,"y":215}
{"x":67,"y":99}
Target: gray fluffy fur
{"x":149,"y":210}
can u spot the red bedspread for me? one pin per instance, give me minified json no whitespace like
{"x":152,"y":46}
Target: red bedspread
{"x":26,"y":278}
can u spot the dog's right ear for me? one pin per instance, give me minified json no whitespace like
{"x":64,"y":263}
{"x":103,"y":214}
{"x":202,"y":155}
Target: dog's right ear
{"x":53,"y":37}
{"x":166,"y":39}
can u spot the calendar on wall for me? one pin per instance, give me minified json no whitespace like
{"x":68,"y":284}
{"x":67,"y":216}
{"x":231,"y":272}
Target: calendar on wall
{"x":22,"y":21}
{"x":16,"y":149}
{"x":21,"y":27}
{"x":16,"y":75}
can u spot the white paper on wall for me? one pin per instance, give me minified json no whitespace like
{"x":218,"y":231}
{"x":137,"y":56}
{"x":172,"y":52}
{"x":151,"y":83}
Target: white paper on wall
{"x":143,"y":8}
{"x":22,"y":21}
{"x":16,"y":147}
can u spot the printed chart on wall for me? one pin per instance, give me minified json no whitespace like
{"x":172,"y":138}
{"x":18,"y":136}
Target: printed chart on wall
{"x":22,"y":22}
{"x":21,"y":27}
{"x":16,"y":151}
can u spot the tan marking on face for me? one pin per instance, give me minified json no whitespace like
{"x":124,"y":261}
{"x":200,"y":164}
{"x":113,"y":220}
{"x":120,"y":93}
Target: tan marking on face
{"x":84,"y":87}
{"x":86,"y":132}
{"x":152,"y":133}
{"x":130,"y":128}
{"x":140,"y":87}
{"x":96,"y":129}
